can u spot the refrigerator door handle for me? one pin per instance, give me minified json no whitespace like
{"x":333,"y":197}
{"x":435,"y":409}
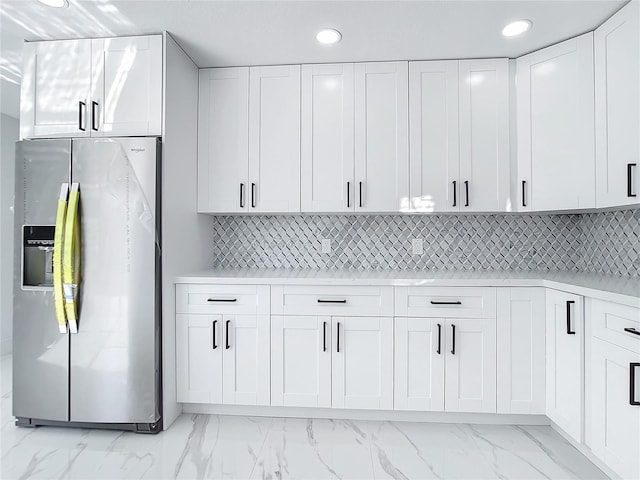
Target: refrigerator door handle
{"x":71,"y":258}
{"x":58,"y":242}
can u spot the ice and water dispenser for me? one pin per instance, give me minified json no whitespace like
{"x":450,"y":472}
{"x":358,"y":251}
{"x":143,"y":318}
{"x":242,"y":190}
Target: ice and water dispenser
{"x":37,"y":255}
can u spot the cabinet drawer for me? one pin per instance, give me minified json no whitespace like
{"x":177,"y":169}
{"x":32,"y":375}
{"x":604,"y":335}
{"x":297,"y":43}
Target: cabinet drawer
{"x":615,"y":323}
{"x":457,"y":302}
{"x":221,"y":299}
{"x":332,"y":300}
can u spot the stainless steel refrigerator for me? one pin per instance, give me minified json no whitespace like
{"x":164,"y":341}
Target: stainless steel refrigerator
{"x":87,"y":332}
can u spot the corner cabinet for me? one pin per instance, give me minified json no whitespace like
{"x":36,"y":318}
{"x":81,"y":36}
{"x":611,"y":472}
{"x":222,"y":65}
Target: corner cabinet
{"x":564,"y":362}
{"x":555,"y":127}
{"x":617,"y":87}
{"x":92,"y":88}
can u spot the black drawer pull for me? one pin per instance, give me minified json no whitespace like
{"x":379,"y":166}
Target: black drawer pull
{"x":632,"y":330}
{"x":632,"y":383}
{"x":437,"y":302}
{"x":320,"y":300}
{"x":225,"y":300}
{"x":569,"y":331}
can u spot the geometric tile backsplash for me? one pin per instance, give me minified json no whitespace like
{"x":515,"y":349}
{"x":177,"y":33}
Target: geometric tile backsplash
{"x":603,"y":242}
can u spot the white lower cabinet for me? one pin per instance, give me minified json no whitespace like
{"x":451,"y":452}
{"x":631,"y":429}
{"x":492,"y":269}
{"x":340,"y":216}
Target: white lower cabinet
{"x":615,"y":407}
{"x":223,"y":359}
{"x":301,"y":361}
{"x":445,"y":364}
{"x":520,"y":347}
{"x":362,"y":363}
{"x":340,"y":362}
{"x":470,"y":371}
{"x":564,"y":365}
{"x":419,"y":364}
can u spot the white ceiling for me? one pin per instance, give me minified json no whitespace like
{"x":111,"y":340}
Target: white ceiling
{"x":226,"y":33}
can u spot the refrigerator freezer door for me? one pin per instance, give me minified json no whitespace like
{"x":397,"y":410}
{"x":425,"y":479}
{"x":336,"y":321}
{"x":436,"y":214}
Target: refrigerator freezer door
{"x":40,"y":351}
{"x":114,"y":371}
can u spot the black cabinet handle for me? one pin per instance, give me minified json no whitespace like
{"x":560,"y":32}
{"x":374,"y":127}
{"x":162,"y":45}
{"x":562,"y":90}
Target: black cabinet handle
{"x":242,"y":195}
{"x":226,"y":340}
{"x":222,"y":300}
{"x":81,"y":106}
{"x":524,"y":193}
{"x":569,"y":331}
{"x":453,"y":339}
{"x":213,"y":327}
{"x":94,"y":126}
{"x":321,"y":300}
{"x":253,"y":195}
{"x":360,"y":193}
{"x":632,"y":383}
{"x":629,"y":182}
{"x":455,"y":201}
{"x":348,"y":194}
{"x":632,"y":330}
{"x":338,"y":338}
{"x":437,"y":302}
{"x":324,"y":336}
{"x":466,"y":190}
{"x":439,"y":338}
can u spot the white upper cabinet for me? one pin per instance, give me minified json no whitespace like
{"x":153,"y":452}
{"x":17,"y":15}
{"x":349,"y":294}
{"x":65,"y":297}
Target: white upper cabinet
{"x":381,"y":137}
{"x":433,"y":120}
{"x":126,"y":86}
{"x":327,"y":138}
{"x":484,"y":135}
{"x":274,"y":139}
{"x":617,"y":87}
{"x":99,"y":87}
{"x":223,"y":140}
{"x":56,"y":89}
{"x":555,"y":97}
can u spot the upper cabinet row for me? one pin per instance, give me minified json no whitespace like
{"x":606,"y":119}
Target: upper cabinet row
{"x":335,"y":137}
{"x":92,"y":88}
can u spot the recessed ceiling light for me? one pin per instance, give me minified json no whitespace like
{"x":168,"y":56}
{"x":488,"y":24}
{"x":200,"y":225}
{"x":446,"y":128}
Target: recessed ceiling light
{"x":328,"y":36}
{"x":516,"y":28}
{"x":55,"y":3}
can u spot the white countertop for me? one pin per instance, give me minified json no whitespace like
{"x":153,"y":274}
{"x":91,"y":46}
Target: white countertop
{"x":605,"y":287}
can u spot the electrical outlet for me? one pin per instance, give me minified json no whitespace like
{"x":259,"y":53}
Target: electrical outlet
{"x":416,"y":246}
{"x":326,"y":245}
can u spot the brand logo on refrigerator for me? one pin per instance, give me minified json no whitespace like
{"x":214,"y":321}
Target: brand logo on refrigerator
{"x":138,"y":149}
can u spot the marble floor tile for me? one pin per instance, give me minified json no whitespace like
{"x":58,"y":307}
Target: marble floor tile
{"x":235,"y":447}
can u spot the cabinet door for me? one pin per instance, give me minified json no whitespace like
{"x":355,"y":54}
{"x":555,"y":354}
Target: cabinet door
{"x":223,"y":140}
{"x":433,"y":122}
{"x":274,"y":139}
{"x":520,"y":347}
{"x":246,"y":360}
{"x":484,"y":135}
{"x":301,"y":361}
{"x":470,"y":368}
{"x":617,"y":60}
{"x":615,"y":422}
{"x":381,"y":137}
{"x":564,"y":334}
{"x":362,"y":362}
{"x":55,"y":91}
{"x":419,"y":364}
{"x":199,"y":346}
{"x":555,"y":99}
{"x":126,"y":86}
{"x":327,"y":138}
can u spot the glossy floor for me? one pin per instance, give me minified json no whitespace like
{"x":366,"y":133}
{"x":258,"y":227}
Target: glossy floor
{"x":204,"y":446}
